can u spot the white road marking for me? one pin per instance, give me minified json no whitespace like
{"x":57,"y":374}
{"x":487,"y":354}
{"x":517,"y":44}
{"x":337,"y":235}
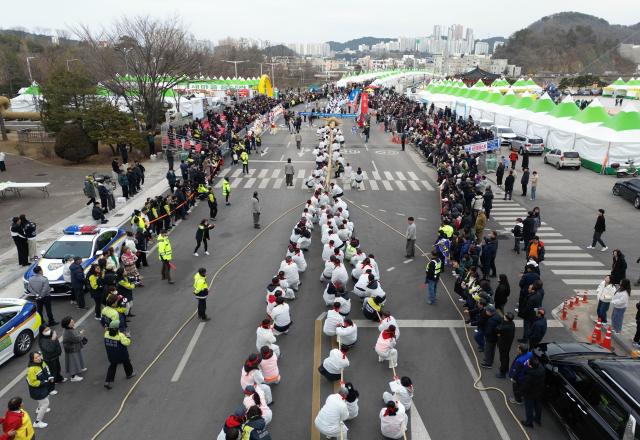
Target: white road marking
{"x":364,"y":174}
{"x":413,"y":185}
{"x":391,"y":268}
{"x":301,"y":152}
{"x":412,"y":175}
{"x":581,"y":271}
{"x":388,"y":175}
{"x":400,"y":185}
{"x":582,"y":282}
{"x":251,"y":171}
{"x":263,"y":183}
{"x":572,"y":263}
{"x":366,"y":206}
{"x":301,"y":174}
{"x":374,"y":185}
{"x":278,"y":183}
{"x":418,"y":429}
{"x":400,"y":175}
{"x":236,"y":182}
{"x":250,"y":182}
{"x":218,"y":183}
{"x":408,"y":261}
{"x":552,"y":255}
{"x":382,"y":210}
{"x":264,"y":152}
{"x":375,"y":167}
{"x":441,"y":323}
{"x":556,"y":241}
{"x":504,"y":435}
{"x":422,"y":218}
{"x":427,"y":185}
{"x":187,"y":353}
{"x":263,"y":173}
{"x":288,"y":143}
{"x":400,"y":214}
{"x":387,"y":185}
{"x":546,"y":228}
{"x":376,"y":175}
{"x":561,"y":248}
{"x":275,"y":173}
{"x":548,"y":234}
{"x":236,"y":172}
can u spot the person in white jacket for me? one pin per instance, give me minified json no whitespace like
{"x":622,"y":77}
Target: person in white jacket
{"x":251,"y":375}
{"x":393,"y":420}
{"x":265,"y":337}
{"x":327,"y":250}
{"x":339,"y":273}
{"x":329,"y":294}
{"x":388,"y":320}
{"x":255,"y":397}
{"x":334,"y":364}
{"x":352,"y":400}
{"x":347,"y":333}
{"x":620,"y":302}
{"x":605,"y":293}
{"x":281,"y":317}
{"x":327,"y":272}
{"x":298,"y":257}
{"x":385,"y":347}
{"x":401,"y":390}
{"x":290,"y":269}
{"x":343,"y":299}
{"x":333,"y":320}
{"x":330,"y":419}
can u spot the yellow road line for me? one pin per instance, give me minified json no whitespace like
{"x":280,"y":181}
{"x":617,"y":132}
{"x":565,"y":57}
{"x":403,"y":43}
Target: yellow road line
{"x":315,"y":383}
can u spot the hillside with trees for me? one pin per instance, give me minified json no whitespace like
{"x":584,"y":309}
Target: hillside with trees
{"x":570,"y":42}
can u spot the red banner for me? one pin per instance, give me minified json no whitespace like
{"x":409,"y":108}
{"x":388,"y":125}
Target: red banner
{"x":363,"y":109}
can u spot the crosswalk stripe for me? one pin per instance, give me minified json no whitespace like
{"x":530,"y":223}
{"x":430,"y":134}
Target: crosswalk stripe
{"x":400,"y":185}
{"x":548,"y":234}
{"x":573,"y":263}
{"x":386,"y":185}
{"x":218,"y":183}
{"x":376,"y":175}
{"x":301,"y":173}
{"x":561,"y":248}
{"x":581,"y":282}
{"x":236,"y":172}
{"x":400,"y":175}
{"x":551,"y":255}
{"x":263,"y":173}
{"x":581,"y":271}
{"x":557,"y":241}
{"x":511,"y":218}
{"x":374,"y":185}
{"x":275,"y":173}
{"x":251,"y":171}
{"x":250,"y":182}
{"x":236,"y":182}
{"x":413,"y":185}
{"x":388,"y":175}
{"x":546,"y":228}
{"x":278,"y":182}
{"x":412,"y":175}
{"x":263,"y":183}
{"x":507,"y":208}
{"x":427,"y":185}
{"x":364,"y":174}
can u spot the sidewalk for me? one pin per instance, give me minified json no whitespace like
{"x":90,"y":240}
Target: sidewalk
{"x":586,"y":315}
{"x":155,"y":185}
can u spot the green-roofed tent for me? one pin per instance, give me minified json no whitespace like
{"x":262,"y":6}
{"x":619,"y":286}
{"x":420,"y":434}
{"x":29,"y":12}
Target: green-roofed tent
{"x":566,"y":109}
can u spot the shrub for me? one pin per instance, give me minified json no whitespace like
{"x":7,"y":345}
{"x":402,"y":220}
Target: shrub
{"x":73,"y":144}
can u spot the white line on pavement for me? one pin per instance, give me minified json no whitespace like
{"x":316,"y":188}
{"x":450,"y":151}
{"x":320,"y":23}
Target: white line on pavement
{"x":399,"y":213}
{"x":382,"y":210}
{"x":556,"y":240}
{"x":412,"y":175}
{"x":581,"y":281}
{"x":581,"y":271}
{"x":391,"y":268}
{"x":427,"y":185}
{"x":187,"y":353}
{"x":236,"y":182}
{"x":263,"y":183}
{"x":375,"y":168}
{"x":408,"y":261}
{"x":400,"y":175}
{"x":301,"y":173}
{"x":281,"y":158}
{"x":418,"y":429}
{"x":548,"y":234}
{"x":374,"y":185}
{"x":236,"y":172}
{"x":400,"y":185}
{"x":275,"y":173}
{"x":422,"y":218}
{"x":485,"y":398}
{"x":250,"y":182}
{"x":387,"y":185}
{"x":376,"y":175}
{"x":388,"y":175}
{"x":365,"y":206}
{"x":572,"y":263}
{"x":413,"y":185}
{"x":562,"y":248}
{"x":278,"y":183}
{"x":552,"y":255}
{"x":263,"y":173}
{"x":441,"y":323}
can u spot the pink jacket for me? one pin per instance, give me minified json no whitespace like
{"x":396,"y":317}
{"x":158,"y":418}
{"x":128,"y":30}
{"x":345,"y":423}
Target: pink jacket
{"x":270,"y":369}
{"x":384,"y":345}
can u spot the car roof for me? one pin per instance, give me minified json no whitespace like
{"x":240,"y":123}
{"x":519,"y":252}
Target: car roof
{"x":12,"y":302}
{"x":85,"y":237}
{"x":634,"y":182}
{"x":624,"y":373}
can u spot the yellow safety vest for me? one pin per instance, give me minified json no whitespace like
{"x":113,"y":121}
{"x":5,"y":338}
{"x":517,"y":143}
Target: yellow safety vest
{"x":244,"y":157}
{"x":438,"y":267}
{"x":164,"y":249}
{"x":226,"y":188}
{"x":447,"y":230}
{"x":202,"y":189}
{"x":199,"y":283}
{"x":212,"y":197}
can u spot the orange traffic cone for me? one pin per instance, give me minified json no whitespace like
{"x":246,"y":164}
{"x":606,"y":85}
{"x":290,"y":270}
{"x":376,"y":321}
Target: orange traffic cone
{"x":584,"y":297}
{"x":607,"y":339}
{"x":574,"y":326}
{"x":564,"y":311}
{"x":577,"y":300}
{"x":571,"y":303}
{"x":593,"y":338}
{"x":598,"y":330}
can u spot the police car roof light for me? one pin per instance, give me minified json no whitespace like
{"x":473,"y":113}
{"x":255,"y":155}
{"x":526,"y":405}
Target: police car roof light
{"x":80,"y":230}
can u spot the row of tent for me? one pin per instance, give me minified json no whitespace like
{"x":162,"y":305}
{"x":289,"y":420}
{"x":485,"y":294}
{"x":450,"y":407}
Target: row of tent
{"x":620,"y":87}
{"x":380,"y":75}
{"x":601,"y":139}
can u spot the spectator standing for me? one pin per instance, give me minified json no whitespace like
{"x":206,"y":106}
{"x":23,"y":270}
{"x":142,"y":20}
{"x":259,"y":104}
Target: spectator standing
{"x":16,"y":423}
{"x":30,"y":234}
{"x":255,"y":209}
{"x":490,"y":332}
{"x":605,"y":293}
{"x":20,"y":240}
{"x":411,"y":238}
{"x":598,"y":230}
{"x":3,"y":166}
{"x":618,"y":267}
{"x":508,"y":185}
{"x":73,"y":340}
{"x":77,"y":281}
{"x":288,"y":172}
{"x":534,"y":184}
{"x":524,"y":181}
{"x":41,"y":385}
{"x":537,"y":329}
{"x":51,"y":351}
{"x":39,"y":288}
{"x":506,"y":334}
{"x":533,"y":391}
{"x":620,"y":303}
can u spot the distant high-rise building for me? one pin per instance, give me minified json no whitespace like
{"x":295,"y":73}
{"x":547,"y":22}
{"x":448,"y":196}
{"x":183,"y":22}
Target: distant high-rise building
{"x":437,"y":32}
{"x":458,"y":30}
{"x":482,"y":48}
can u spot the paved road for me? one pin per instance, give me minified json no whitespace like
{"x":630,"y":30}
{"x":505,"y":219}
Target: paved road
{"x":433,"y":346}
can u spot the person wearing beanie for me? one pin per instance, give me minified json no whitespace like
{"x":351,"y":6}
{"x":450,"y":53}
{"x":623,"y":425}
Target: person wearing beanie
{"x":385,"y":346}
{"x":393,"y":420}
{"x":116,"y":345}
{"x":201,"y":292}
{"x":265,"y":337}
{"x":269,"y":366}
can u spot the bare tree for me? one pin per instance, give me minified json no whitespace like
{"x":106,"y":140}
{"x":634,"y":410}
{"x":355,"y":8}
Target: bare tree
{"x":140,"y":59}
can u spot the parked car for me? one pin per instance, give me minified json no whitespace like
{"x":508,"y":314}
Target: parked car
{"x":560,"y":159}
{"x":594,"y":392}
{"x":533,"y":144}
{"x":485,"y":123}
{"x":504,"y":133}
{"x":86,"y":241}
{"x":628,"y":189}
{"x":19,"y":327}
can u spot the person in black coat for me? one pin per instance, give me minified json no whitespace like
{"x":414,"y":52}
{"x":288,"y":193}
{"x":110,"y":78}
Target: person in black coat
{"x":490,"y":331}
{"x":598,"y":230}
{"x":525,"y":159}
{"x":77,"y":281}
{"x":499,"y":173}
{"x":528,"y":278}
{"x":528,"y":312}
{"x":98,"y":213}
{"x":20,"y":240}
{"x":528,"y":229}
{"x":488,"y":254}
{"x":508,"y":185}
{"x":618,"y":267}
{"x":538,"y":329}
{"x":506,"y":334}
{"x":202,"y":236}
{"x":502,"y":292}
{"x":524,"y":181}
{"x":487,"y":201}
{"x":533,"y":392}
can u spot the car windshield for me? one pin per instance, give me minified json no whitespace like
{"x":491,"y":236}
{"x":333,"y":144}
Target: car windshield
{"x":535,"y":140}
{"x":571,"y":154}
{"x":505,"y":131}
{"x":76,"y":248}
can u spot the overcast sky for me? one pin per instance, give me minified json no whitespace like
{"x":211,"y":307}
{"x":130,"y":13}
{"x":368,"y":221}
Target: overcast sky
{"x":316,"y":21}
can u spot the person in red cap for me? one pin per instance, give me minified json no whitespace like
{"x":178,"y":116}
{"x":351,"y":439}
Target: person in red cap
{"x":233,"y":425}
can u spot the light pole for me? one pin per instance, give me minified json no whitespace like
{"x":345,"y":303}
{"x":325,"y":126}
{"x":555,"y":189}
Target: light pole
{"x":29,"y":68}
{"x":69,"y":61}
{"x":273,"y":76}
{"x":235,"y":65}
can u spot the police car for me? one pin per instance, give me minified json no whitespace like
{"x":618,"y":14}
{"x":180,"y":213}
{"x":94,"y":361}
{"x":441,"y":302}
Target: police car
{"x":86,"y":241}
{"x":19,"y":326}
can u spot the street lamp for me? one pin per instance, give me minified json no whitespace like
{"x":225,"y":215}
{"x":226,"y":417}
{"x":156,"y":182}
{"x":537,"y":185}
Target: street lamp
{"x":29,"y":68}
{"x":273,"y":76}
{"x":69,"y":61}
{"x":235,"y":65}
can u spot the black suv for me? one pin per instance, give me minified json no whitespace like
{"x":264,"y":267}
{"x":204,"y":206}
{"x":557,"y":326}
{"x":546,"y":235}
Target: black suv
{"x":594,"y":392}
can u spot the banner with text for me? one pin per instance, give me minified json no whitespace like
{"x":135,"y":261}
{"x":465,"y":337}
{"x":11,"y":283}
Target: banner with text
{"x":328,"y":115}
{"x":482,"y":147}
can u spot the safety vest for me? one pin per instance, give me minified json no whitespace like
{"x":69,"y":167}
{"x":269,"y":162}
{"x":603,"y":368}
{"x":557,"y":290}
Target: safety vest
{"x":212,"y":198}
{"x":164,"y":248}
{"x":371,"y":304}
{"x":202,"y":189}
{"x":139,"y":221}
{"x":199,"y":284}
{"x":167,"y":209}
{"x":154,"y":212}
{"x":226,"y":187}
{"x":244,"y":157}
{"x":447,"y":230}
